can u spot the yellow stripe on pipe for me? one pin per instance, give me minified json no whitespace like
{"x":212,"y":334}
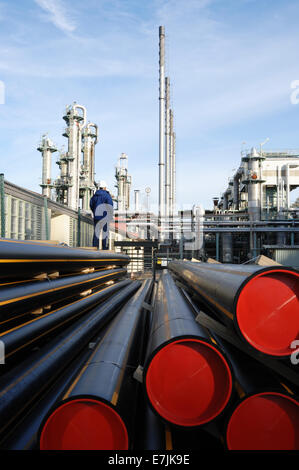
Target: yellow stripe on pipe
{"x":62,"y":260}
{"x":5,"y":302}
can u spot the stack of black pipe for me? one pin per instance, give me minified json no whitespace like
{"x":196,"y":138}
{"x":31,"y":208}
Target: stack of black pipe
{"x":48,"y":324}
{"x":199,"y":359}
{"x":252,"y":314}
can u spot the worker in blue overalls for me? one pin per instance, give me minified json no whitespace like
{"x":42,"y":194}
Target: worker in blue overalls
{"x":101,"y":205}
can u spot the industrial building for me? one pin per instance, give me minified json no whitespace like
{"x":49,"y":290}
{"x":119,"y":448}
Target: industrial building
{"x":254,"y":215}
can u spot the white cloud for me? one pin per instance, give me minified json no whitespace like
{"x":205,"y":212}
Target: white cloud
{"x":57,"y":14}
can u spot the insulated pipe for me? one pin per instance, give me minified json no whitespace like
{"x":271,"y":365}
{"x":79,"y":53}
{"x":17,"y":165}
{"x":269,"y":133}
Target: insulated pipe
{"x":22,"y":259}
{"x":265,"y":421}
{"x":266,"y":417}
{"x":225,"y":199}
{"x":24,"y":383}
{"x":227,"y":247}
{"x":153,"y":433}
{"x":137,"y":194}
{"x":101,"y":401}
{"x":287,"y":179}
{"x":27,"y":334}
{"x":254,"y":183}
{"x":186,"y":378}
{"x":21,"y":298}
{"x":262,"y":302}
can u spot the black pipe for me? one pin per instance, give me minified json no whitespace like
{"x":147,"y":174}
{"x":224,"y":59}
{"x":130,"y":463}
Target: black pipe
{"x":24,"y":436}
{"x":263,"y":303}
{"x":26,"y":335}
{"x":261,"y":402}
{"x":151,"y":432}
{"x":101,"y":402}
{"x":192,"y":440}
{"x":35,"y":294}
{"x":24,"y":383}
{"x":21,"y":258}
{"x":266,"y":415}
{"x":186,"y":378}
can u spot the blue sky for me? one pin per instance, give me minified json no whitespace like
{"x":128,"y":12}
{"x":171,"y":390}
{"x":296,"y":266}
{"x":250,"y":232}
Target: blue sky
{"x":231,"y":64}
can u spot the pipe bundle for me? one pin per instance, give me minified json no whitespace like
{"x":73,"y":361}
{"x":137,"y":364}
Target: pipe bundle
{"x":260,"y":306}
{"x":21,"y":258}
{"x":47,"y":322}
{"x":187,"y":378}
{"x":261,"y":303}
{"x":72,"y":375}
{"x":97,"y":411}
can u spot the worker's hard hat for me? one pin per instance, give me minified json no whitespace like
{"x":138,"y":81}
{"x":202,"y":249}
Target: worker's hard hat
{"x":102,"y":184}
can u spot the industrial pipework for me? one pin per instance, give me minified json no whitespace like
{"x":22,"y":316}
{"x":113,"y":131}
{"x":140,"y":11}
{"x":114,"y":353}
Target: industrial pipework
{"x":186,"y":377}
{"x":261,"y":302}
{"x":77,"y":174}
{"x":87,"y":178}
{"x":124,"y":182}
{"x":33,"y":331}
{"x":22,"y":384}
{"x":20,"y":259}
{"x":266,"y":414}
{"x":75,"y":118}
{"x":101,"y":402}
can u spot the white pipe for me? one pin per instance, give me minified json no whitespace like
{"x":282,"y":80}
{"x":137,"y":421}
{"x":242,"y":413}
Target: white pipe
{"x":137,"y":194}
{"x":46,"y":148}
{"x":288,"y":186}
{"x":79,"y":106}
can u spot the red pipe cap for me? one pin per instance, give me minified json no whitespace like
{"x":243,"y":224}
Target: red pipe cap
{"x":267,"y":312}
{"x":188,"y":382}
{"x":84,"y":424}
{"x":266,"y":421}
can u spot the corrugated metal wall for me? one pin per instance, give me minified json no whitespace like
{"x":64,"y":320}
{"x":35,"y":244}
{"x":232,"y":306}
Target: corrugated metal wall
{"x":287,"y":257}
{"x":25,"y":217}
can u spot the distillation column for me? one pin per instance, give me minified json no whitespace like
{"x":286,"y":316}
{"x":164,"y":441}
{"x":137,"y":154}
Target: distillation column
{"x":90,"y":139}
{"x":46,"y":148}
{"x":123,"y":184}
{"x":75,"y":118}
{"x":253,"y":181}
{"x":61,"y":184}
